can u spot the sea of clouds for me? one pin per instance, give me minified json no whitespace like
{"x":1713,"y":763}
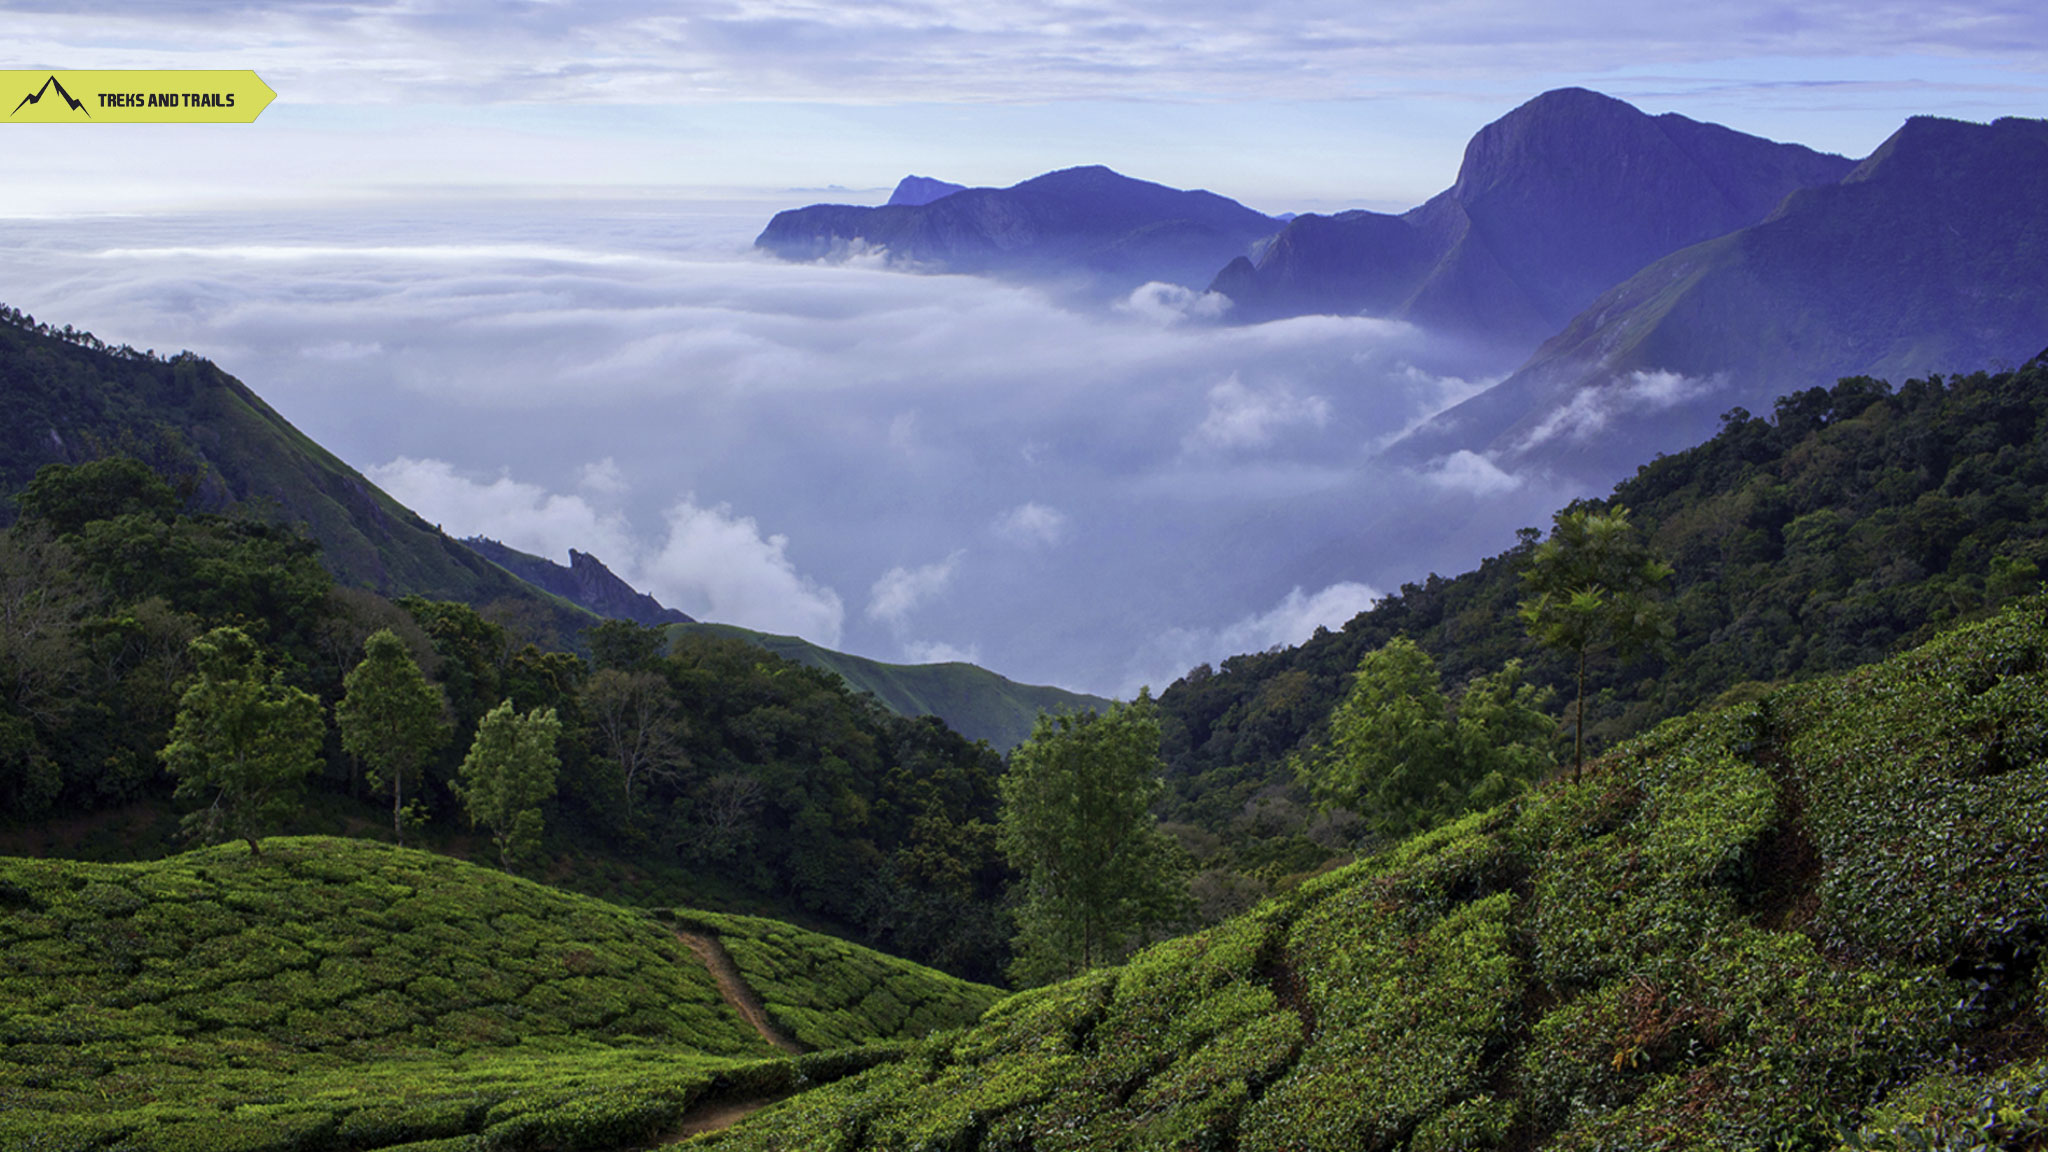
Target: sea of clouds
{"x":909,"y":466}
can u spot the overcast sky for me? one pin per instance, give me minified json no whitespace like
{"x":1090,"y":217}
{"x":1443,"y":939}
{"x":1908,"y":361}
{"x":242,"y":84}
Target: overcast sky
{"x":496,"y":255}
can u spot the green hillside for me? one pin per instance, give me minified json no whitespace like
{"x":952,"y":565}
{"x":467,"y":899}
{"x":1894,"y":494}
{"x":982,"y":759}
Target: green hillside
{"x":1853,"y":521}
{"x":827,"y":993}
{"x":71,"y":399}
{"x":1812,"y":919}
{"x":342,"y":994}
{"x":972,"y":700}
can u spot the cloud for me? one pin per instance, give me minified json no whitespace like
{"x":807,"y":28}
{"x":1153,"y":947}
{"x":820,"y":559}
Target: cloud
{"x":1591,"y":408}
{"x":522,"y":516}
{"x":1293,"y":620}
{"x":717,"y":566}
{"x":940,"y":652}
{"x":1468,"y":471}
{"x":901,"y":590}
{"x":644,"y":51}
{"x":808,"y":427}
{"x":1032,"y":524}
{"x":1242,"y":418}
{"x":604,"y":477}
{"x":1166,"y":304}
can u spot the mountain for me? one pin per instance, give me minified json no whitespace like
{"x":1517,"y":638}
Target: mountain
{"x":1088,"y":222}
{"x":972,"y":700}
{"x":915,"y":190}
{"x":586,"y":582}
{"x":1554,"y":203}
{"x":71,"y":398}
{"x":1932,"y":253}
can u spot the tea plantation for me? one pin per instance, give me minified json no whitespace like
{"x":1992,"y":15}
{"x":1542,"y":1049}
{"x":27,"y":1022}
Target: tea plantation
{"x":1812,"y":921}
{"x":339,"y":994}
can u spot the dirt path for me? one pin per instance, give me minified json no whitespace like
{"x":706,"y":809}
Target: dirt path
{"x":736,"y":992}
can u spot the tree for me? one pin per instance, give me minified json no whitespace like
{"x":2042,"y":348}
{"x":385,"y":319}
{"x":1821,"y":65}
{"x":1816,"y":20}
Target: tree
{"x":390,"y":718}
{"x":1590,"y":586}
{"x":245,"y":736}
{"x":1400,"y":756}
{"x":1077,"y":822}
{"x":508,"y":774}
{"x":635,"y":715}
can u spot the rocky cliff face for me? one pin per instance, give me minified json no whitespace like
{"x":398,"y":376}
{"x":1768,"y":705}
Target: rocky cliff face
{"x":1555,"y":202}
{"x":1931,"y":255}
{"x":585,"y":581}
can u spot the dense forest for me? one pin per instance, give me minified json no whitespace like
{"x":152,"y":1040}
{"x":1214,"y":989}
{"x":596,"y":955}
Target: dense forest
{"x":1854,"y":521}
{"x":703,"y":767}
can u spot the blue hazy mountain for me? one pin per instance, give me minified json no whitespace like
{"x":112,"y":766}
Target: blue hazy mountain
{"x":1555,"y":202}
{"x":1930,"y":255}
{"x":1079,"y":223}
{"x":916,"y":190}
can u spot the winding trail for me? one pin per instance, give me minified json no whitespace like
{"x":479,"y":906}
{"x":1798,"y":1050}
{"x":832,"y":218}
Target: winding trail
{"x":736,"y":991}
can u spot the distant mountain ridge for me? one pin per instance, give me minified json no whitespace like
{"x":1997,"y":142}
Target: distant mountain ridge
{"x":1931,"y":254}
{"x":585,"y":581}
{"x":973,"y":701}
{"x":1555,"y":202}
{"x":1086,"y":221}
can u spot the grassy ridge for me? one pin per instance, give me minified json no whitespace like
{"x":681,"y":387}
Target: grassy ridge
{"x":1814,"y":918}
{"x":831,"y":994}
{"x":973,"y":701}
{"x":348,"y":995}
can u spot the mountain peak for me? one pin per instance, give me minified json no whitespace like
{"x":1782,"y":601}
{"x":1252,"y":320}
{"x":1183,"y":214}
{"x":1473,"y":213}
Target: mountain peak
{"x":917,"y":190}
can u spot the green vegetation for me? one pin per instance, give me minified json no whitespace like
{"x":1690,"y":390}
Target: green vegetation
{"x":390,"y":718}
{"x":755,"y":784}
{"x":1810,"y":918}
{"x":973,"y":701}
{"x":72,"y":399}
{"x":508,"y":774}
{"x":1589,"y":587}
{"x":1400,"y":756}
{"x":244,"y":740}
{"x":1077,"y":824}
{"x":827,"y":993}
{"x":1857,"y":520}
{"x":346,"y":995}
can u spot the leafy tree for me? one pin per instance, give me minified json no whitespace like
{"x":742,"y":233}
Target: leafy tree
{"x":1589,"y":586}
{"x":624,"y":645}
{"x":1402,"y":758}
{"x":635,"y":715}
{"x":508,"y":774}
{"x":1077,"y":822}
{"x":243,"y":735}
{"x":390,"y":718}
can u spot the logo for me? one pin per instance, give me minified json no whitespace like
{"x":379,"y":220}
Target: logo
{"x":36,"y":97}
{"x":136,"y":97}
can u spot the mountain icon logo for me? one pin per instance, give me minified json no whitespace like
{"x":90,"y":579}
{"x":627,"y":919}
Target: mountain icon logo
{"x":36,"y":97}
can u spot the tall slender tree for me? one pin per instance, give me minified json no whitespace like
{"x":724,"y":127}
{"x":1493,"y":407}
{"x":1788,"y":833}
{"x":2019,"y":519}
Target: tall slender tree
{"x":1590,"y":585}
{"x":390,"y":718}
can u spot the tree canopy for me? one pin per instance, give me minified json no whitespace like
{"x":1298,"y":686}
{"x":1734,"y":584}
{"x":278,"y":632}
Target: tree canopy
{"x":1077,"y":823}
{"x":244,"y":740}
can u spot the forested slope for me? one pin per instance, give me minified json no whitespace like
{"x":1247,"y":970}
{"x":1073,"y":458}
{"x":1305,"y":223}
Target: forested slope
{"x":1812,"y":917}
{"x":1854,"y":520}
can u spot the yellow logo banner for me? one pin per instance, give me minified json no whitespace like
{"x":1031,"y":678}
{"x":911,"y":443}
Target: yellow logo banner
{"x":133,"y":97}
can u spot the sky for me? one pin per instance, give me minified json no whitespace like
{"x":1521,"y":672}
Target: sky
{"x":498,"y":257}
